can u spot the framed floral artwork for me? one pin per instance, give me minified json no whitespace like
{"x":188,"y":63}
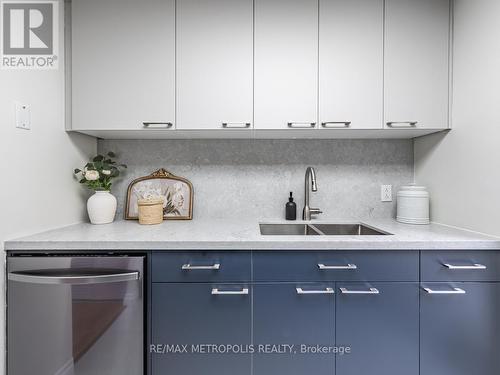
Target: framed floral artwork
{"x":176,"y":192}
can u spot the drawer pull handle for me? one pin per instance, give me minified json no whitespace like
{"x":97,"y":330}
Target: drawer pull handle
{"x":336,"y":124}
{"x":216,"y":291}
{"x":236,"y":125}
{"x":453,"y":291}
{"x":349,"y":266}
{"x":325,"y":291}
{"x":74,"y":278}
{"x":301,"y":125}
{"x":190,"y":267}
{"x":369,"y":291}
{"x":157,"y":125}
{"x":475,"y":266}
{"x":402,"y":124}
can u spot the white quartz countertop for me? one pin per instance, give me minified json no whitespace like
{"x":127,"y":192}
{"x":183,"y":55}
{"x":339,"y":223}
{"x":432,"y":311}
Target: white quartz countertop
{"x":233,"y":234}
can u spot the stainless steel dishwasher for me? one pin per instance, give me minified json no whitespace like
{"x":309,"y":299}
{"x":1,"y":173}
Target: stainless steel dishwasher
{"x":75,"y":315}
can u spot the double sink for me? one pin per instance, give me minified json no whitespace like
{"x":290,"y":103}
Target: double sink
{"x":356,"y":229}
{"x":320,"y":229}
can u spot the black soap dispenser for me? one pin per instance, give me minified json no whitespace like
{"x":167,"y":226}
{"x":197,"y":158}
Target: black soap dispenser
{"x":291,"y":209}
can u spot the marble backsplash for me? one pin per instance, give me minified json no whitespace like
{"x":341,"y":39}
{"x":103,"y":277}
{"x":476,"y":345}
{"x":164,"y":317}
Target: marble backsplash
{"x":252,"y":178}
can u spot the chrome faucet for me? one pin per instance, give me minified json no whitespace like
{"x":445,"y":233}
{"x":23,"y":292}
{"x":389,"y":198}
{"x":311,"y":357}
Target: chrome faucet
{"x":308,"y":211}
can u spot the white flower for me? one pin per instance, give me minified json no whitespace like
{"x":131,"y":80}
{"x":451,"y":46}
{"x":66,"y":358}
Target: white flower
{"x":147,"y":190}
{"x":91,"y":175}
{"x":178,"y":200}
{"x":106,"y":172}
{"x":151,"y":195}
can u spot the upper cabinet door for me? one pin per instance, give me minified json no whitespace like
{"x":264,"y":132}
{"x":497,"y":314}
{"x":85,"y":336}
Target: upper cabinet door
{"x":214,"y":64}
{"x":351,"y":47}
{"x":417,"y":38}
{"x":123,"y":64}
{"x":286,"y":64}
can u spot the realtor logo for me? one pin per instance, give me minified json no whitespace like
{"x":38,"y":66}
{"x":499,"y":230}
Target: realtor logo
{"x":29,"y":37}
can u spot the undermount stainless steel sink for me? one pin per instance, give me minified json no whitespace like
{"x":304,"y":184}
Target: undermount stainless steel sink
{"x":288,"y":230}
{"x":348,"y":230}
{"x":356,"y":229}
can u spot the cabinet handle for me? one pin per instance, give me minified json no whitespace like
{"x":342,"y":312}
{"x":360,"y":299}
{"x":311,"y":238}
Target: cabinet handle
{"x":216,"y":291}
{"x":402,"y":124}
{"x":74,"y":278}
{"x":301,"y":125}
{"x":453,"y":291}
{"x":190,"y":267}
{"x":157,"y":125}
{"x":336,"y":124}
{"x":322,"y":266}
{"x":369,"y":291}
{"x":475,"y":266}
{"x":325,"y":291}
{"x":236,"y":125}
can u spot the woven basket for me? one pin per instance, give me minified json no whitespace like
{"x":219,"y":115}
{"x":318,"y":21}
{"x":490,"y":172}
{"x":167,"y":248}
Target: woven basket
{"x":150,"y":211}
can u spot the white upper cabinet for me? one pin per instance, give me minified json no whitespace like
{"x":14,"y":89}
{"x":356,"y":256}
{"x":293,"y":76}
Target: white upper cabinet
{"x":123,"y":64}
{"x":214,"y":64}
{"x":351,"y":57}
{"x":286,"y":64}
{"x":143,"y":68}
{"x":417,"y":37}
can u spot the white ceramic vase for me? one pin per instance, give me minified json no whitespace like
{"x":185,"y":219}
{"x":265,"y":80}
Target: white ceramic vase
{"x":101,"y":207}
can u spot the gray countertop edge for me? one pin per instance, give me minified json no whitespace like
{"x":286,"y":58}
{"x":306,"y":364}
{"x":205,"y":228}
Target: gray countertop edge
{"x":347,"y":244}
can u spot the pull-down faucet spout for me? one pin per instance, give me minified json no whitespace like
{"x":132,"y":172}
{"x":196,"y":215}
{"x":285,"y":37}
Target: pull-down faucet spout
{"x":309,"y":178}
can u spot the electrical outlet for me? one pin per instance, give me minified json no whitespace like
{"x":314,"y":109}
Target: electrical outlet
{"x":23,"y":116}
{"x":386,"y":193}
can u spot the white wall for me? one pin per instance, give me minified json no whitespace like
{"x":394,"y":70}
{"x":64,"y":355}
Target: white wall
{"x":462,"y":169}
{"x":37,"y":189}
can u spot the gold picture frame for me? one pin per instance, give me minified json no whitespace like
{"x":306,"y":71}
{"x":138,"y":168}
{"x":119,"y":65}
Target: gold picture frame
{"x":177,"y":192}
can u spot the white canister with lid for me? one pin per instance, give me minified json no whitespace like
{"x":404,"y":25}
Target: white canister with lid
{"x":413,"y":205}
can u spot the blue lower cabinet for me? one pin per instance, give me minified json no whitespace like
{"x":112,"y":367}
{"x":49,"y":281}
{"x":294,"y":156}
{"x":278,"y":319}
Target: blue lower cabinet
{"x":460,"y":329}
{"x":310,"y":318}
{"x":200,"y":329}
{"x":380,"y":324}
{"x":290,"y":322}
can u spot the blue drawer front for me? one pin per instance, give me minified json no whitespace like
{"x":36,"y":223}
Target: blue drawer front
{"x":336,"y":266}
{"x":467,"y":265}
{"x":201,"y":266}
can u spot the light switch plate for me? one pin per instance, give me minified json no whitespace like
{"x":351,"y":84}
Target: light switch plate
{"x":386,"y":193}
{"x":23,"y":116}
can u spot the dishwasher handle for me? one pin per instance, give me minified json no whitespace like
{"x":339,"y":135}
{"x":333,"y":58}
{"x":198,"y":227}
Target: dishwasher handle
{"x":73,"y":277}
